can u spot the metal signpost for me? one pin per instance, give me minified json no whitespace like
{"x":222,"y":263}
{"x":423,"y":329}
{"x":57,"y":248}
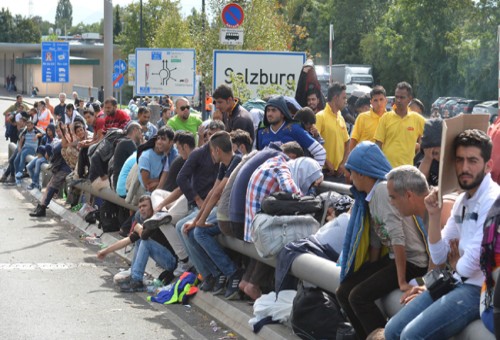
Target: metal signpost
{"x":165,"y":71}
{"x":55,"y":62}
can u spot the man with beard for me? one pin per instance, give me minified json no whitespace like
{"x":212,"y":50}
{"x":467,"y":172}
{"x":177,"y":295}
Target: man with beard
{"x":458,"y":243}
{"x":183,"y":119}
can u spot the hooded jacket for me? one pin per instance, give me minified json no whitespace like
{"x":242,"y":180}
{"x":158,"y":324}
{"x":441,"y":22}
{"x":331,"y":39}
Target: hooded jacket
{"x":305,"y":171}
{"x":278,"y":102}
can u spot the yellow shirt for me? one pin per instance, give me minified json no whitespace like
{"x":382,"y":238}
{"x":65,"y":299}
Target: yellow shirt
{"x":332,"y":128}
{"x":365,"y":126}
{"x":399,"y":135}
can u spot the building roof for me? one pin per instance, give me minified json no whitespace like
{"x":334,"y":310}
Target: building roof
{"x":72,"y":61}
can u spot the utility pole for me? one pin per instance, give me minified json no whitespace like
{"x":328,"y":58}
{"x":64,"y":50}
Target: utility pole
{"x":140,"y":28}
{"x":108,"y":48}
{"x":202,"y":85}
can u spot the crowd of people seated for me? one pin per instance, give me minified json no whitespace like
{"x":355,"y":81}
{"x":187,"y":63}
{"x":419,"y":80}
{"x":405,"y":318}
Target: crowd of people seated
{"x":192,"y":180}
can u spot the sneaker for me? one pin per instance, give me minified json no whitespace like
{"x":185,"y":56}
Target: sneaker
{"x":18,"y":182}
{"x":232,"y":289}
{"x":132,"y":286}
{"x":157,"y":219}
{"x":208,"y":284}
{"x":19,"y":175}
{"x":219,"y":285}
{"x":31,"y":186}
{"x":123,"y":276}
{"x":3,"y":179}
{"x":182,"y":267}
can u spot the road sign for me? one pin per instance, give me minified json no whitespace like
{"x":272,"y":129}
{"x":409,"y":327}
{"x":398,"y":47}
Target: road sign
{"x":258,"y":68}
{"x":165,"y":71}
{"x":119,"y":66}
{"x":232,"y":15}
{"x":55,"y":62}
{"x":131,"y":69}
{"x":231,"y":36}
{"x":118,"y":80}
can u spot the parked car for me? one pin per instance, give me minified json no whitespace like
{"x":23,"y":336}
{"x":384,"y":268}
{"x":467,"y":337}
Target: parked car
{"x":436,"y":106}
{"x":489,"y":107}
{"x":447,"y":108}
{"x":464,"y":106}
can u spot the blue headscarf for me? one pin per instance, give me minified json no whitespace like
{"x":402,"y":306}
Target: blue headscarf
{"x":366,"y":159}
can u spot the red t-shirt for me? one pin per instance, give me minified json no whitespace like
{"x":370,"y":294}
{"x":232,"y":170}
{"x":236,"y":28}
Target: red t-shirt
{"x":118,"y":120}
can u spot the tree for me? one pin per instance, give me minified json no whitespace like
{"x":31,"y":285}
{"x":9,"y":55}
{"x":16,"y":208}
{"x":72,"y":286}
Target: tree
{"x":25,"y":30}
{"x":7,"y":24}
{"x":117,"y":24}
{"x":64,"y":15}
{"x":44,"y":25}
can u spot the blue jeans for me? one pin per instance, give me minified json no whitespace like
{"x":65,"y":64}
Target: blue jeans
{"x":34,"y":168}
{"x":424,"y":318}
{"x":150,"y":248}
{"x":205,"y":236}
{"x":197,"y":255}
{"x":20,"y":160}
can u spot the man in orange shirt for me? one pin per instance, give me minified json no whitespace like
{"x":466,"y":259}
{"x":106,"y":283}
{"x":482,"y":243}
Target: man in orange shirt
{"x":208,"y":104}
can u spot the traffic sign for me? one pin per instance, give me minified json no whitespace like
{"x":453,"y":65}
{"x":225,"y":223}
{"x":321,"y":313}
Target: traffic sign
{"x":55,"y":62}
{"x":232,"y":15}
{"x":119,"y":66}
{"x":231,"y":36}
{"x":161,"y":71}
{"x":118,"y":80}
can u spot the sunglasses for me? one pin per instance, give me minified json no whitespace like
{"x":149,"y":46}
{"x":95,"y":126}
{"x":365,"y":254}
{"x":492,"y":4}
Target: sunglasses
{"x":187,"y":107}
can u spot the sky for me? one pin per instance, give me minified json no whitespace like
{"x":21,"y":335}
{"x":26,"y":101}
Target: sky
{"x":86,"y":11}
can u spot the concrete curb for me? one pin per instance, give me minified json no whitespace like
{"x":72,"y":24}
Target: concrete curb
{"x":234,"y":315}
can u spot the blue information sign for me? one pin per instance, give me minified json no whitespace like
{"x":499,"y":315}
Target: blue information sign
{"x":119,"y":66}
{"x":55,"y":62}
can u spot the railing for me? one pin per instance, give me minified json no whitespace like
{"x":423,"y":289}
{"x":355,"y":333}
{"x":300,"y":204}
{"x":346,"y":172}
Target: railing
{"x":318,"y":271}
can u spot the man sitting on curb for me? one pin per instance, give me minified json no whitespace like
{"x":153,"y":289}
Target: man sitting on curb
{"x":148,"y":244}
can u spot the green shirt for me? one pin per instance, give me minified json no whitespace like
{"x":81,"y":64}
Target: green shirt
{"x":191,"y":124}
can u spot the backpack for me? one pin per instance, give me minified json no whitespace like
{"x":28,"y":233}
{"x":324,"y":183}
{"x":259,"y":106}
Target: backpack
{"x":271,"y":233}
{"x":490,"y":247}
{"x":316,"y":314}
{"x":106,"y":147}
{"x":108,"y":217}
{"x":284,"y":203}
{"x":178,"y":291}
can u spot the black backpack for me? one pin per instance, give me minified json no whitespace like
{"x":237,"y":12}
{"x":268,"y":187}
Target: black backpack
{"x":316,"y":314}
{"x":286,"y":204}
{"x":108,"y":217}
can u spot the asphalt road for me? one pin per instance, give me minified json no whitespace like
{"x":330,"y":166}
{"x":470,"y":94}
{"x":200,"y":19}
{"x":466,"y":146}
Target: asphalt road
{"x":53,"y":287}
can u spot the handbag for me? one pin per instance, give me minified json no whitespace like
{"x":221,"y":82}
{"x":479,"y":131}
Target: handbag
{"x":439,"y":282}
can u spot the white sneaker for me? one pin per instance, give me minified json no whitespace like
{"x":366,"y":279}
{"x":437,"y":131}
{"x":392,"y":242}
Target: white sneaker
{"x":157,"y":219}
{"x":182,"y":267}
{"x":123,"y":276}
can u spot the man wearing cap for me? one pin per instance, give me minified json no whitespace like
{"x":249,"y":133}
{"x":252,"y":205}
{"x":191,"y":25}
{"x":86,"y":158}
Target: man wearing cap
{"x":332,"y":127}
{"x":280,"y":127}
{"x":430,"y":150}
{"x":234,"y":115}
{"x":183,"y":119}
{"x":382,"y":250}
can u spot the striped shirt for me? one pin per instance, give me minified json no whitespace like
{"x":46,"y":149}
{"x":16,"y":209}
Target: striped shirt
{"x":272,"y":176}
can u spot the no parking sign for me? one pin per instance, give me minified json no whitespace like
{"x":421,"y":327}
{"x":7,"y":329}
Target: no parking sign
{"x":232,"y":15}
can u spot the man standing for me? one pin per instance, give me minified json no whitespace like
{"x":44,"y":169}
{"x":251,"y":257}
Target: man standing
{"x":148,"y":129}
{"x":183,"y":119}
{"x":367,"y":122}
{"x":234,"y":115}
{"x":313,"y":100}
{"x":398,"y":131}
{"x":331,"y":126}
{"x":115,"y":118}
{"x":60,"y":108}
{"x":280,"y":127}
{"x":458,"y":243}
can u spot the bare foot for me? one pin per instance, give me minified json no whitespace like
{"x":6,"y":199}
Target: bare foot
{"x":253,"y":291}
{"x":243,"y":285}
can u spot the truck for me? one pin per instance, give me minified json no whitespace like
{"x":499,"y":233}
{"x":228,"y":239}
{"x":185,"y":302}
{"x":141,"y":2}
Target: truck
{"x":347,"y":74}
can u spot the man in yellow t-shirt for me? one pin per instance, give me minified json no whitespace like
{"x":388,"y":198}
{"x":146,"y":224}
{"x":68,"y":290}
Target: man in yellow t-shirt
{"x":399,"y":130}
{"x":367,"y":122}
{"x":331,"y":126}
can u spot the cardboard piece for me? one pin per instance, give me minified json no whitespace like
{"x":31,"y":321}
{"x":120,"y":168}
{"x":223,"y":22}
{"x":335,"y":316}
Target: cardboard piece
{"x":452,"y":127}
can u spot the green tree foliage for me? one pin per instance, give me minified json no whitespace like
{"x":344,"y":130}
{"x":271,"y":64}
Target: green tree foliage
{"x":64,"y":15}
{"x":18,"y":29}
{"x":44,"y":25}
{"x":171,"y":31}
{"x":117,"y":23}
